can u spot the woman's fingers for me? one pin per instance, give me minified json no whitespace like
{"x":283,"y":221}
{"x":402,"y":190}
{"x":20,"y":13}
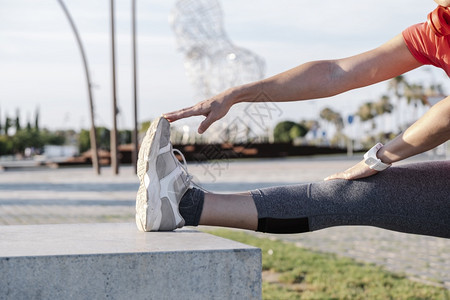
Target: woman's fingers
{"x":339,"y":175}
{"x":360,"y":170}
{"x":182,"y":113}
{"x":213,"y":109}
{"x":196,"y":110}
{"x":210,"y":118}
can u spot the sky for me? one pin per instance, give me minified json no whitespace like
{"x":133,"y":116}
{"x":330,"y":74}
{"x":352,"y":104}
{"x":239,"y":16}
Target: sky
{"x":41,"y":67}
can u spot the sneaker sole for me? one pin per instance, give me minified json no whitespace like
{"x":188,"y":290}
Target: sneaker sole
{"x":148,"y":152}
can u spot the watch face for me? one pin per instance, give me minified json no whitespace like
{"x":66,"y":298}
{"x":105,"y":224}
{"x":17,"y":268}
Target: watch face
{"x":371,"y":161}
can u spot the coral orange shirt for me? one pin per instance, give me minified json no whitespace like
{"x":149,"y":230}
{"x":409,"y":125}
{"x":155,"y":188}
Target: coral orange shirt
{"x":427,"y":47}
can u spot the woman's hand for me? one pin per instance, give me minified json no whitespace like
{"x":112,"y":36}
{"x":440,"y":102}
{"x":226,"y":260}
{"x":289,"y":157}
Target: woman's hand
{"x":360,"y":170}
{"x":213,"y":109}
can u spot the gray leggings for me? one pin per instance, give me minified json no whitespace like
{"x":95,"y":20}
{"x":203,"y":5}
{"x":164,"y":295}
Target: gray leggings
{"x":413,"y":198}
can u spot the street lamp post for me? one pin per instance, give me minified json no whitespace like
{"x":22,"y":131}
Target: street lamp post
{"x":135,"y":130}
{"x":114,"y":154}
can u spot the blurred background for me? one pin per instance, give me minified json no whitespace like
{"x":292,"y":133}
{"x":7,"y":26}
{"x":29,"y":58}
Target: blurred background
{"x":43,"y":84}
{"x":188,"y":50}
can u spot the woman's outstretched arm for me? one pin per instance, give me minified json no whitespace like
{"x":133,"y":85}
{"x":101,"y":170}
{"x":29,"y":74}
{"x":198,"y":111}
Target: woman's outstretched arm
{"x":311,"y":80}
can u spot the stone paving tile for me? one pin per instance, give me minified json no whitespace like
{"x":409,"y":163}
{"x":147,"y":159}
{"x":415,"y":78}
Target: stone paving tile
{"x":79,"y":196}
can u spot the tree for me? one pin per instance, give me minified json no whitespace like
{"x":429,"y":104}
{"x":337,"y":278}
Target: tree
{"x":310,"y":124}
{"x":84,"y":143}
{"x":6,"y":145}
{"x":365,"y":112}
{"x":104,"y":139}
{"x":36,"y":119}
{"x":333,"y":117}
{"x":398,"y":85}
{"x":104,"y":135}
{"x":18,"y":127}
{"x":434,"y":90}
{"x":383,"y":106}
{"x":7,"y":125}
{"x":144,"y":126}
{"x":125,"y":136}
{"x":35,"y":139}
{"x":415,"y":94}
{"x":287,"y":131}
{"x":369,"y":111}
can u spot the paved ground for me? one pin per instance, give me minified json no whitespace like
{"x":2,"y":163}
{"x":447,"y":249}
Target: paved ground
{"x":79,"y":196}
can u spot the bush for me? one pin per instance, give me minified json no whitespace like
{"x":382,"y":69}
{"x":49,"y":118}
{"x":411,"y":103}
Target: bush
{"x":103,"y":138}
{"x":287,"y":131}
{"x":6,"y":145}
{"x":29,"y":138}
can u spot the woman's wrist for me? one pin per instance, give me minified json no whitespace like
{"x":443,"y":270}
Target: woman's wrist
{"x":385,"y":156}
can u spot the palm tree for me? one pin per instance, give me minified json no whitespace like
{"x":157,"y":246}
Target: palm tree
{"x":1,"y":127}
{"x":334,"y":118}
{"x":434,"y":93}
{"x":434,"y":90}
{"x":383,"y":107}
{"x":365,"y":112}
{"x":415,"y":95}
{"x":370,"y":110}
{"x":398,"y":85}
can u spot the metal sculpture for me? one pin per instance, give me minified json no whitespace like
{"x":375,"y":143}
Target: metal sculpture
{"x":212,"y":62}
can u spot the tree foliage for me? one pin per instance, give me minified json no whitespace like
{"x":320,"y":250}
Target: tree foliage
{"x":26,"y":138}
{"x":287,"y":131}
{"x":370,"y":110}
{"x":103,"y":138}
{"x":144,"y":126}
{"x":333,"y":117}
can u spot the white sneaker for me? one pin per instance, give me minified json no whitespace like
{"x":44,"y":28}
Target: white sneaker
{"x":163,"y":181}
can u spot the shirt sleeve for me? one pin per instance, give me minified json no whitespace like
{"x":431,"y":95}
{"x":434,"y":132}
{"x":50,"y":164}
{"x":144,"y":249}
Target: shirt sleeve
{"x":419,"y":43}
{"x":427,"y":47}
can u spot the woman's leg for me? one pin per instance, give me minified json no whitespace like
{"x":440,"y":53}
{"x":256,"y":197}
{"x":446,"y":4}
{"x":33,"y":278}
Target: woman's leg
{"x":236,"y":211}
{"x":225,"y":210}
{"x":412,"y":198}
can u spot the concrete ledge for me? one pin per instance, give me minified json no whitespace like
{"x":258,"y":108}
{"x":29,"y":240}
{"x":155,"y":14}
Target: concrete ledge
{"x":98,"y":261}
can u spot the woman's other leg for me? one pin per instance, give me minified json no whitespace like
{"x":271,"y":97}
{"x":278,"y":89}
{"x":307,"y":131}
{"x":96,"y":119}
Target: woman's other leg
{"x":412,"y":198}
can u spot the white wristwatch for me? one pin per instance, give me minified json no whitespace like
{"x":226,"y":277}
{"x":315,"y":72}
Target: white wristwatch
{"x":371,"y":159}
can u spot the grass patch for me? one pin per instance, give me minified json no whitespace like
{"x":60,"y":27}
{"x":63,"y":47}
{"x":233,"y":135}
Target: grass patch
{"x":290,"y":272}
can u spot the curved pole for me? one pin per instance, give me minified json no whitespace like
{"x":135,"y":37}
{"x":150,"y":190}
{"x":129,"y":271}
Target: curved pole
{"x":93,"y":138}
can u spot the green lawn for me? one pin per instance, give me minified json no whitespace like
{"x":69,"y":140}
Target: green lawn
{"x":290,"y":272}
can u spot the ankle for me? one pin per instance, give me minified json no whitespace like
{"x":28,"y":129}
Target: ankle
{"x":191,"y":206}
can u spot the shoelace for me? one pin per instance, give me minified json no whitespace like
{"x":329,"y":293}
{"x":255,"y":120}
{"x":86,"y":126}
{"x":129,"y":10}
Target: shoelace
{"x":189,"y":176}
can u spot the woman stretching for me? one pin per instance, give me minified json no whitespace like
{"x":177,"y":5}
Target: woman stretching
{"x":413,"y":198}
